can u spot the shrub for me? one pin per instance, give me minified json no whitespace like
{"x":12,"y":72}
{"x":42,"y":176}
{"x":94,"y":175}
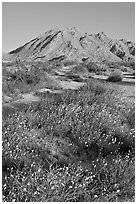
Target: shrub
{"x":124,"y":69}
{"x":114,"y":77}
{"x":80,"y":68}
{"x":93,"y":67}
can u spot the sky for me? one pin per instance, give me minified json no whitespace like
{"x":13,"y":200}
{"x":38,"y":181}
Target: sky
{"x":23,"y":21}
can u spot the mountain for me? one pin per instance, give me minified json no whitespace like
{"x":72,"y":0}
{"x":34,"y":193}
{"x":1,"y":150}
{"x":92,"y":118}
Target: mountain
{"x":71,"y":44}
{"x":121,"y":48}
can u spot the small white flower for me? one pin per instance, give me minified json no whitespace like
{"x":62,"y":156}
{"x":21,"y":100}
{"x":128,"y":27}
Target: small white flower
{"x":95,"y":196}
{"x":39,"y":170}
{"x":52,"y":187}
{"x":115,"y":185}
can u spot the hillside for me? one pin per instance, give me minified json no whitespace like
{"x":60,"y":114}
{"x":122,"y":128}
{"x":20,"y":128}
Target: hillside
{"x":71,"y":44}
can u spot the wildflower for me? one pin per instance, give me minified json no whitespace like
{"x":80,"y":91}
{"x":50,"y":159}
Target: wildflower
{"x":39,"y":170}
{"x":53,"y":187}
{"x":95,"y":196}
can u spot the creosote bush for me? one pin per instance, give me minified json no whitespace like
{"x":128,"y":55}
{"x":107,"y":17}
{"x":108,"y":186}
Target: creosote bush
{"x":114,"y":77}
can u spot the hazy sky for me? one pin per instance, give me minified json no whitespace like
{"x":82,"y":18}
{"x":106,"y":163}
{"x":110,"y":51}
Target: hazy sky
{"x":22,"y":21}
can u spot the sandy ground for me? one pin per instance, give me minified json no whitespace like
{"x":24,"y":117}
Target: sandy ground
{"x":27,"y":98}
{"x":71,"y":84}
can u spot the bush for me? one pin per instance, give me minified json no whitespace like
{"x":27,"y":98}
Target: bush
{"x":114,"y":77}
{"x":93,"y":67}
{"x":124,"y":69}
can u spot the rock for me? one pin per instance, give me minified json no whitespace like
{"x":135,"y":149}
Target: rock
{"x":123,"y":49}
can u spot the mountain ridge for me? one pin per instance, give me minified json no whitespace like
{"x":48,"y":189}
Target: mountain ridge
{"x":71,"y":44}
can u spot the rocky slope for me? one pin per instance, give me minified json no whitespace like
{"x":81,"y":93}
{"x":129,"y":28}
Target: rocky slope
{"x":121,"y":48}
{"x":73,"y":45}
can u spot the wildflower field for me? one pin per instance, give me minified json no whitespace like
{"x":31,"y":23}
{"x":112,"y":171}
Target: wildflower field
{"x":81,"y":149}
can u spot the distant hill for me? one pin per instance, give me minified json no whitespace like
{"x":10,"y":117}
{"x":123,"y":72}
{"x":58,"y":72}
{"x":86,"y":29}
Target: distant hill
{"x":71,"y":44}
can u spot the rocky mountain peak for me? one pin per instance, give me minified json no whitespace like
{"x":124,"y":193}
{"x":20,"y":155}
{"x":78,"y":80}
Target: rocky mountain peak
{"x":71,"y":44}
